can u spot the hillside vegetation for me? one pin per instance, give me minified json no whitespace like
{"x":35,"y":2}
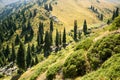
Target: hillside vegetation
{"x":60,"y":40}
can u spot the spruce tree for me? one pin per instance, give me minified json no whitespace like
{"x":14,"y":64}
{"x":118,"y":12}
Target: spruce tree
{"x":50,"y":7}
{"x":57,"y":38}
{"x":51,"y":39}
{"x":33,"y":48}
{"x":13,"y":56}
{"x":7,"y":52}
{"x":36,"y":60}
{"x":21,"y":61}
{"x":60,"y":39}
{"x":51,"y":26}
{"x":47,"y":45}
{"x":64,"y":38}
{"x":113,"y":16}
{"x":17,"y":40}
{"x":28,"y":57}
{"x":117,"y":12}
{"x":75,"y":30}
{"x":101,"y":17}
{"x":85,"y":27}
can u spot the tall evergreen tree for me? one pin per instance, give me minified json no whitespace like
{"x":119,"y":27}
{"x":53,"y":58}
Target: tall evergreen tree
{"x":113,"y":16}
{"x":101,"y":17}
{"x":75,"y":30}
{"x":47,"y":45}
{"x":51,"y":26}
{"x":57,"y":38}
{"x":33,"y":48}
{"x":85,"y":27}
{"x":50,"y":7}
{"x":13,"y":56}
{"x":64,"y":37}
{"x":60,"y":39}
{"x":36,"y":60}
{"x":17,"y":40}
{"x":51,"y":39}
{"x":28,"y":57}
{"x":117,"y":12}
{"x":21,"y":61}
{"x":7,"y":52}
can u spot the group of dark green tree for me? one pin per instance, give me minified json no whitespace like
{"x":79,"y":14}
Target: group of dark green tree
{"x":100,"y":16}
{"x":114,"y":15}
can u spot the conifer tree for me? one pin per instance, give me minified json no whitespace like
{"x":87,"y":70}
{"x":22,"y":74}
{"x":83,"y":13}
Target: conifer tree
{"x":47,"y":45}
{"x":21,"y":61}
{"x":117,"y":12}
{"x":64,"y":37}
{"x":57,"y":38}
{"x":17,"y":40}
{"x":60,"y":39}
{"x":33,"y":48}
{"x":113,"y":16}
{"x":50,"y":7}
{"x":51,"y":26}
{"x":36,"y":60}
{"x":75,"y":30}
{"x":101,"y":17}
{"x":51,"y":39}
{"x":13,"y":56}
{"x":85,"y":27}
{"x":28,"y":57}
{"x":7,"y":52}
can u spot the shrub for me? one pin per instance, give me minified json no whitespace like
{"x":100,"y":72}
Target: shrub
{"x":103,"y":49}
{"x":84,"y":44}
{"x":116,"y":24}
{"x":53,"y":70}
{"x":75,"y":65}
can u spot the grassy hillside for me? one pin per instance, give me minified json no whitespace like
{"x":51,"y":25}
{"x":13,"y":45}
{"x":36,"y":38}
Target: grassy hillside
{"x":68,"y":11}
{"x":90,"y":54}
{"x":82,"y":59}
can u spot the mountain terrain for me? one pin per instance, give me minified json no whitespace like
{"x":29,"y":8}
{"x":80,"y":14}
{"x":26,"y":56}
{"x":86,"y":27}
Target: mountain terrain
{"x":59,"y":40}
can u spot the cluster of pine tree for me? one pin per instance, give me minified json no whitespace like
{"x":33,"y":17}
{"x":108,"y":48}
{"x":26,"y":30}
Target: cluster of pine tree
{"x":45,"y":39}
{"x":77,"y":33}
{"x":115,"y":14}
{"x":100,"y":16}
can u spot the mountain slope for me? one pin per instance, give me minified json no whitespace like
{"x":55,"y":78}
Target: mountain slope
{"x":68,"y":11}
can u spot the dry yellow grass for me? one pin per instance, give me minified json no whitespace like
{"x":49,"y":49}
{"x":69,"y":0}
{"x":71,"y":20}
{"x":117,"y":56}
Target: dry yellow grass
{"x":69,"y":10}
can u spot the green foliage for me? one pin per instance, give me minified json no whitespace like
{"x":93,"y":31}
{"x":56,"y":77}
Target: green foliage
{"x":75,"y":65}
{"x":64,"y":37}
{"x":85,"y":44}
{"x":116,"y":24}
{"x":85,"y":27}
{"x":75,"y":30}
{"x":53,"y":70}
{"x":42,"y":68}
{"x":110,"y":70}
{"x":51,"y":26}
{"x":103,"y":50}
{"x":29,"y":57}
{"x":21,"y":62}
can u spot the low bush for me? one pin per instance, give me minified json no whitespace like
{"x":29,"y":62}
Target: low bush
{"x":103,"y":49}
{"x":53,"y":70}
{"x":75,"y":65}
{"x":84,"y":44}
